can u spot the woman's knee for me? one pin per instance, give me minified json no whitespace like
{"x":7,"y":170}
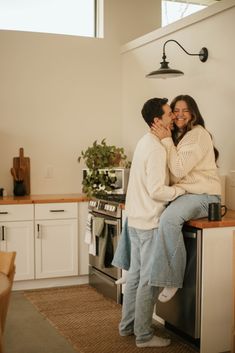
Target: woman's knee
{"x":170,"y":217}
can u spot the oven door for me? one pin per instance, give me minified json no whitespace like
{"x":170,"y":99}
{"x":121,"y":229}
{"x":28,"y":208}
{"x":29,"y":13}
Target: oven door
{"x":105,"y":251}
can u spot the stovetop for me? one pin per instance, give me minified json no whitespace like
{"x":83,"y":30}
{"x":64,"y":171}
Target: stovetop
{"x":121,"y":198}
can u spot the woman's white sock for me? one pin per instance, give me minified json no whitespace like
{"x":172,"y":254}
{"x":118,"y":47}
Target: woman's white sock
{"x":167,"y":294}
{"x":121,"y":280}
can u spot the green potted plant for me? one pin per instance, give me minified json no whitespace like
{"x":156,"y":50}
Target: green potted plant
{"x":101,"y":160}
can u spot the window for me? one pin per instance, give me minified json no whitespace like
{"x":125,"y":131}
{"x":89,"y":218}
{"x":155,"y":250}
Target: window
{"x":72,"y":17}
{"x":175,"y":10}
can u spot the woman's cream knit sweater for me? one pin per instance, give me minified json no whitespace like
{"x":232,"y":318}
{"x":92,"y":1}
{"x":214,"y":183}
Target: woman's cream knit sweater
{"x":192,"y":162}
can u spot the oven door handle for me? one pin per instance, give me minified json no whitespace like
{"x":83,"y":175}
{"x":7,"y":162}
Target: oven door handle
{"x":114,"y":223}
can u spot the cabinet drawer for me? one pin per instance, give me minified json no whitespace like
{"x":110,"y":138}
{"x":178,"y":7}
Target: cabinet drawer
{"x":56,"y":210}
{"x":16,"y":213}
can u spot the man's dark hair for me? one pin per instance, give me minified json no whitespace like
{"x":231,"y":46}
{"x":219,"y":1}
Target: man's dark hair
{"x":152,"y":109}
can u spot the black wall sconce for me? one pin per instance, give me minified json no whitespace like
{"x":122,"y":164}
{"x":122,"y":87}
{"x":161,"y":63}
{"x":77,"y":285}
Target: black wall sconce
{"x":165,"y":71}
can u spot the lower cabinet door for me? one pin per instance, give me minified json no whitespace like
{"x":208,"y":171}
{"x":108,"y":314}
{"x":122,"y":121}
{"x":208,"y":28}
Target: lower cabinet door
{"x":56,"y":248}
{"x":19,"y":237}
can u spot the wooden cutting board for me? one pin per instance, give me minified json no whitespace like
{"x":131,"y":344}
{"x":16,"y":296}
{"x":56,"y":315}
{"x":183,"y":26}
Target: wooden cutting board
{"x":22,"y":167}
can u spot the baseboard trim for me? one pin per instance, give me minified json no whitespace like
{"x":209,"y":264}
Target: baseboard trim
{"x":49,"y":282}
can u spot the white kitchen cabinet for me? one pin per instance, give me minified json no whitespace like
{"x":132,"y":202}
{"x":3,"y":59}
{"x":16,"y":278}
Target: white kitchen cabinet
{"x":216,"y":289}
{"x":17,"y":234}
{"x":56,"y":240}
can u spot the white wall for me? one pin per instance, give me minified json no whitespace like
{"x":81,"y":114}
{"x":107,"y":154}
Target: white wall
{"x":133,"y":18}
{"x":60,"y":93}
{"x":54,"y":98}
{"x":212,"y":84}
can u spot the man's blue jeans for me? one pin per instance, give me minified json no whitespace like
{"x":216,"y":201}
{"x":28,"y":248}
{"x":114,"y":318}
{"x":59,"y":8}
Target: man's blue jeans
{"x":139,"y":296}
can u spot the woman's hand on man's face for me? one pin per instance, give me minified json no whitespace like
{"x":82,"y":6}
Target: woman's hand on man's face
{"x":159,"y":130}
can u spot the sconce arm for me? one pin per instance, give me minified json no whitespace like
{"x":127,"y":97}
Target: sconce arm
{"x":203,"y":54}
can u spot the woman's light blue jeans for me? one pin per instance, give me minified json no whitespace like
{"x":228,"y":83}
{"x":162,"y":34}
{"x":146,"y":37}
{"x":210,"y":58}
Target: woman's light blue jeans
{"x":139,"y":296}
{"x":122,"y":255}
{"x":169,"y":254}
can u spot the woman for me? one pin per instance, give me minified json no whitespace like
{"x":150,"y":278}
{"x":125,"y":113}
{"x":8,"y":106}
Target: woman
{"x":192,"y":162}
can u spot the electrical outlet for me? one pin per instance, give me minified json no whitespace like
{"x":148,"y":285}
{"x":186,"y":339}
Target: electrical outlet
{"x":49,"y":174}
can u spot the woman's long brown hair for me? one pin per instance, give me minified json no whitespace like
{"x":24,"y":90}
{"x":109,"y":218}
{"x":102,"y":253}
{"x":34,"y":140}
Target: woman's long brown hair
{"x":197,"y":119}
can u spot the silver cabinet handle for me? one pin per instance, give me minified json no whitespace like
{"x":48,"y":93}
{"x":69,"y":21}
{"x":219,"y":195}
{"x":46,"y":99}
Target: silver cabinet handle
{"x":38,"y":231}
{"x":3,"y":233}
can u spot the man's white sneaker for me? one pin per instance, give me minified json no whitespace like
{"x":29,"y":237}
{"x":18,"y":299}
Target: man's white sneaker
{"x":155,"y":342}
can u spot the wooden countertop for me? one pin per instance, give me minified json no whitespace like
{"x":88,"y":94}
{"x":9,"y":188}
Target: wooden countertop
{"x":54,"y":198}
{"x":227,"y":221}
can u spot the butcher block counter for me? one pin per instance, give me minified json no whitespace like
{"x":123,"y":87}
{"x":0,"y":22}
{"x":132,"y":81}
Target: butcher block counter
{"x":227,"y":221}
{"x":54,"y":198}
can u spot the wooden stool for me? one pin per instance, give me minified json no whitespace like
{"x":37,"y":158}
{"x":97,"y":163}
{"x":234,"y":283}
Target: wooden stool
{"x":5,"y":290}
{"x":233,"y":279}
{"x":7,"y":272}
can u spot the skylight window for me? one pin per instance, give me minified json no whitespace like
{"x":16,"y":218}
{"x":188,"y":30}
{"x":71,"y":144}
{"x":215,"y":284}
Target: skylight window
{"x":175,"y":10}
{"x":71,"y":17}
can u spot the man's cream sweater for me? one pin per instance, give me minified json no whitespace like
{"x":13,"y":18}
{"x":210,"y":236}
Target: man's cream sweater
{"x":148,"y":191}
{"x":192,"y":162}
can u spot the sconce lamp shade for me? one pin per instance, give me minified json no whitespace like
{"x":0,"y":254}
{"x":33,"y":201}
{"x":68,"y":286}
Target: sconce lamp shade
{"x":166,"y":72}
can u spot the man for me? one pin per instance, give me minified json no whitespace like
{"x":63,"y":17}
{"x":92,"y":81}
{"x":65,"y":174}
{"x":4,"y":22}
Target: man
{"x":147,"y":196}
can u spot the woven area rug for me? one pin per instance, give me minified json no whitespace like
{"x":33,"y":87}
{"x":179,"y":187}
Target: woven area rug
{"x":89,"y":321}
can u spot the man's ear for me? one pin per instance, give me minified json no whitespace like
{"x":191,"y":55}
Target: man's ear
{"x":156,"y":119}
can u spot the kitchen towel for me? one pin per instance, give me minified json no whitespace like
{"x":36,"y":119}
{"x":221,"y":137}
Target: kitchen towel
{"x":106,"y":246}
{"x":97,"y":229}
{"x":89,"y":236}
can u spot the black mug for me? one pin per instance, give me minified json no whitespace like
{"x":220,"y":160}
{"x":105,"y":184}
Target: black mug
{"x":215,"y":211}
